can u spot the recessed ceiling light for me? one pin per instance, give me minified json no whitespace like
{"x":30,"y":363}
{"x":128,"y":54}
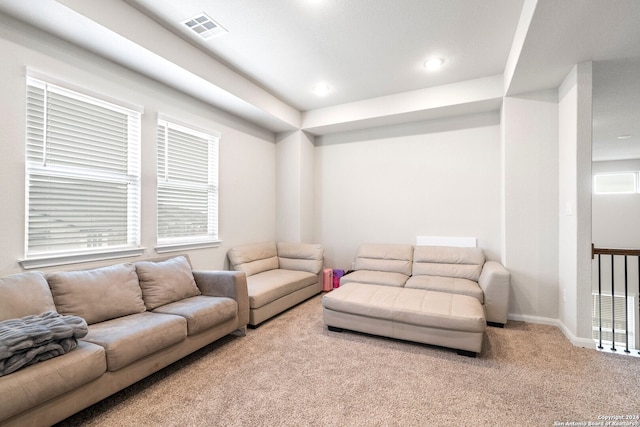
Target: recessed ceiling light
{"x":204,"y":26}
{"x":322,"y":89}
{"x":624,"y":136}
{"x":433,"y":64}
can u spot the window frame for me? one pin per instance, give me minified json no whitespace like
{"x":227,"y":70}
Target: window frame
{"x":634,"y":174}
{"x":36,"y":165}
{"x":212,"y":238}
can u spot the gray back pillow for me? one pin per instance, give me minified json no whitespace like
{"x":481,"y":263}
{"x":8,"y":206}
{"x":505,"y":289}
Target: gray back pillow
{"x":99,"y":294}
{"x":24,"y":294}
{"x":164,"y":282}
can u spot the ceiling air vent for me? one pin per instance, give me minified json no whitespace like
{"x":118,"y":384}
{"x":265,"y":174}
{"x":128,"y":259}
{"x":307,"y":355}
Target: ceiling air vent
{"x":204,"y":26}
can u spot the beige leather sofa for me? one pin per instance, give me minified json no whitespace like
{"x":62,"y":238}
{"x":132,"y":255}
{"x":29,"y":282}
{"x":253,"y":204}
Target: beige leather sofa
{"x":141,"y":317}
{"x":435,"y":295}
{"x":279,"y":275}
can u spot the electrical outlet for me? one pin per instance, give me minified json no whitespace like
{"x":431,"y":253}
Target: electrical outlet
{"x":568,"y":209}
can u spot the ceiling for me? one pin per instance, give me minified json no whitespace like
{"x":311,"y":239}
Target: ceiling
{"x":370,"y":52}
{"x":362,"y":48}
{"x":616,"y":109}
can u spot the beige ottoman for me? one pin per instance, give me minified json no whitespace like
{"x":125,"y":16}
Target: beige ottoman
{"x":429,"y":317}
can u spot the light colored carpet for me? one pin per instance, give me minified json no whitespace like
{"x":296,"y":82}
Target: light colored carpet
{"x":292,"y":371}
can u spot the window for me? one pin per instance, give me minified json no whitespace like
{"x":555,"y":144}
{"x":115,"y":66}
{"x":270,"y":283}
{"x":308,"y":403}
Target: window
{"x":609,"y":322}
{"x":616,"y":183}
{"x":83,"y":179}
{"x":187,"y":186}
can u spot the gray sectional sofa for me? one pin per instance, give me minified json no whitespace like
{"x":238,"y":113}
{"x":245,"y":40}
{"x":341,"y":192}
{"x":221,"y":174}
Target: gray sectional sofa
{"x":436,"y":295}
{"x":141,"y":317}
{"x":279,"y":275}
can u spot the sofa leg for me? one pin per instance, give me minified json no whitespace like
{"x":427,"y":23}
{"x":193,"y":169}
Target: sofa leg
{"x":334,"y":329}
{"x":240,"y":332}
{"x":495,"y":324}
{"x":466,"y":353}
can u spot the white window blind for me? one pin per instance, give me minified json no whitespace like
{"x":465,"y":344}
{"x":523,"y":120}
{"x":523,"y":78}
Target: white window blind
{"x":609,"y":322}
{"x":187,"y":184}
{"x":83,"y":173}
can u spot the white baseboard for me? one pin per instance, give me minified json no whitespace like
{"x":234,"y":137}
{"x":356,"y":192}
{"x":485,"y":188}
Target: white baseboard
{"x":576,"y":341}
{"x":534,"y":319}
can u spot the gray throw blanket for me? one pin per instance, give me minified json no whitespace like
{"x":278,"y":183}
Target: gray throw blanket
{"x":35,"y":338}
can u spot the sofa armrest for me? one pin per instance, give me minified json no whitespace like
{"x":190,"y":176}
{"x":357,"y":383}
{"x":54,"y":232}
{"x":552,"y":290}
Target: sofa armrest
{"x":231,"y":284}
{"x":495,"y":283}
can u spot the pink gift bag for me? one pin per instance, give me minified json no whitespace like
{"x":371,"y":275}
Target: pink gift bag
{"x":327,"y":282}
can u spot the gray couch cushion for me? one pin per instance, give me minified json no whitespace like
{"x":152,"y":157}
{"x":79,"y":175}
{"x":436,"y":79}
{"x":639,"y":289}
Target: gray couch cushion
{"x":452,"y":285}
{"x":98,"y":294}
{"x":300,"y":256}
{"x":395,"y":258}
{"x":133,"y":337}
{"x":33,"y":385}
{"x":166,"y":281}
{"x":375,"y":277}
{"x":13,"y":289}
{"x":202,"y":312}
{"x":270,"y":285}
{"x":255,"y":258}
{"x":463,"y":263}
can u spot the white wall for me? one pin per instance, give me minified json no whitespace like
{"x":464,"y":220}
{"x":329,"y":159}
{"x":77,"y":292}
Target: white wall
{"x":295,"y":187}
{"x":574,"y":199}
{"x":288,"y":186}
{"x":530,"y":144}
{"x":247,"y":153}
{"x":439,"y":178}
